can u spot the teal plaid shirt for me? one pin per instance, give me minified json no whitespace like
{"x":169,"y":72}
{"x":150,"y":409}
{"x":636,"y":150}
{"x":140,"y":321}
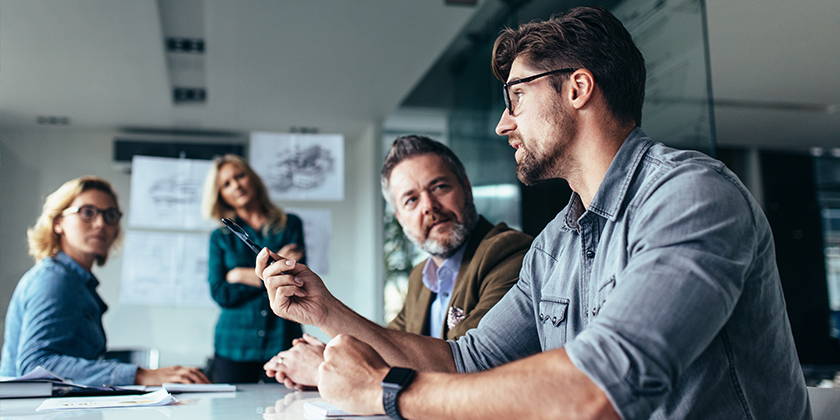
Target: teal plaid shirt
{"x":248,"y":331}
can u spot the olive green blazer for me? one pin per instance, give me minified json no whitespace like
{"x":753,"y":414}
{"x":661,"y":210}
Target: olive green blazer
{"x":490,"y":267}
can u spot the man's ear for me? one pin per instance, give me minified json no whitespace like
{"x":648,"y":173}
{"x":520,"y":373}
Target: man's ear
{"x":583,"y":86}
{"x":397,"y":215}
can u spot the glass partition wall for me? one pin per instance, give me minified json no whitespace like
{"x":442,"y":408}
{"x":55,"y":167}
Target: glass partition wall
{"x":461,"y":91}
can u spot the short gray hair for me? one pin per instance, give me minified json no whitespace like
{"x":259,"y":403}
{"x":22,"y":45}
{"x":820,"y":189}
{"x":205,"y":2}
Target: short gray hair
{"x":413,"y":145}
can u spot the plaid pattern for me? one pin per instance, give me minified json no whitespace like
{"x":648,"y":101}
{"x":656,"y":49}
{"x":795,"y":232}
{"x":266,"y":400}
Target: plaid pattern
{"x":247,"y":330}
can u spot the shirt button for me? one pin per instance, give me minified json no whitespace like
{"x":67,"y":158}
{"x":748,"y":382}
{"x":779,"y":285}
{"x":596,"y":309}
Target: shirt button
{"x":263,"y":312}
{"x":590,"y":254}
{"x":541,"y":317}
{"x":261,"y":333}
{"x":446,"y":295}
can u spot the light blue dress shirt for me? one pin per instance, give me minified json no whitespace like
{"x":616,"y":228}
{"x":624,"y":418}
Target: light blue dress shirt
{"x":55,"y":320}
{"x":441,"y":281}
{"x":664,"y":292}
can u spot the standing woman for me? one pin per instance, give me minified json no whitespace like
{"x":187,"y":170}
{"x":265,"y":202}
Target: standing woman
{"x":247,"y":334}
{"x":55,"y":317}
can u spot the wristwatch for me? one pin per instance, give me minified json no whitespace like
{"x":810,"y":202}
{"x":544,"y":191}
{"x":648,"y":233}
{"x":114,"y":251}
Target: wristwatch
{"x":395,"y":381}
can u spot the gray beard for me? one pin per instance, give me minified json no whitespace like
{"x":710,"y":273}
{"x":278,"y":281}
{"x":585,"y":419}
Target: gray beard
{"x":459,"y":236}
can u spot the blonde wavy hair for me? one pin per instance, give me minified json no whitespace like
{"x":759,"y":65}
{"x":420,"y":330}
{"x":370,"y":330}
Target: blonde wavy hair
{"x":43,"y":241}
{"x":214,"y":207}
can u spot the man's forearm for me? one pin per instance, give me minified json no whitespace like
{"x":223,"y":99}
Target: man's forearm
{"x":398,"y":348}
{"x":546,"y":385}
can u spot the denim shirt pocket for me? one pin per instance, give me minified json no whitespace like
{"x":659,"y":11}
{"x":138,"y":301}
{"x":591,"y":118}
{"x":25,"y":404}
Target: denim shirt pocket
{"x":604,"y":290}
{"x":552,"y":321}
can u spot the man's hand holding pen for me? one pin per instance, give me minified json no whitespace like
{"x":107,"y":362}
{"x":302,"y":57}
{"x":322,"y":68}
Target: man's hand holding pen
{"x":350,"y":368}
{"x":294,"y":291}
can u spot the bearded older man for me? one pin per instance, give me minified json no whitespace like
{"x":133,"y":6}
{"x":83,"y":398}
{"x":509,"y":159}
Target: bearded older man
{"x":472,"y":263}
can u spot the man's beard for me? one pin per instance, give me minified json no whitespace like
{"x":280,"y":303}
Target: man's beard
{"x":458,"y":236}
{"x":538,"y":165}
{"x":534,"y":167}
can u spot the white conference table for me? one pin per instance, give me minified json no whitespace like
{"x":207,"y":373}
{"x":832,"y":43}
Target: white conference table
{"x":261,"y":401}
{"x":250,"y":401}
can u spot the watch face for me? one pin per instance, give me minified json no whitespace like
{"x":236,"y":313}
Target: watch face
{"x":398,"y":376}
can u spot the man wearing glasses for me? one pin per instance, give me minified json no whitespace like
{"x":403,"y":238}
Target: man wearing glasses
{"x":653,"y":294}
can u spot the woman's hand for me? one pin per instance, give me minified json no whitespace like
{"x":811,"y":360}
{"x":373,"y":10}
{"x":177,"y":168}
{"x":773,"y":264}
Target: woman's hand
{"x":171,"y":374}
{"x":243,"y":275}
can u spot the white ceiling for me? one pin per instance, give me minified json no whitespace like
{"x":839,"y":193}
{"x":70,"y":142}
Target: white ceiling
{"x":341,"y":65}
{"x":270,"y":65}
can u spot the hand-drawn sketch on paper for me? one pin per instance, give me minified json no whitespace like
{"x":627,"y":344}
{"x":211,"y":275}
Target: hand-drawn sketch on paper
{"x":165,"y":269}
{"x":317,"y":229}
{"x":166,"y":193}
{"x":299,"y":166}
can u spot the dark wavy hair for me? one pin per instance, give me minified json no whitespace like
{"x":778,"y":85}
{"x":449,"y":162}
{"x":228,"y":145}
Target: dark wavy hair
{"x":587,"y":37}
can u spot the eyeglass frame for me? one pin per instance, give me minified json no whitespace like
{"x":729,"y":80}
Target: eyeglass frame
{"x":505,"y":86}
{"x":97,"y":210}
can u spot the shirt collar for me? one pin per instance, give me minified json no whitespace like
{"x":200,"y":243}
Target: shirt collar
{"x":432,"y":277}
{"x":610,"y":194}
{"x":74,"y":267}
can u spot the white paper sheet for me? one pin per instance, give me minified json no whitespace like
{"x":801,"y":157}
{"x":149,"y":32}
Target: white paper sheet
{"x":317,"y":230}
{"x":165,"y":269}
{"x":182,"y":388}
{"x":160,"y":397}
{"x":299,"y":166}
{"x":166,"y":193}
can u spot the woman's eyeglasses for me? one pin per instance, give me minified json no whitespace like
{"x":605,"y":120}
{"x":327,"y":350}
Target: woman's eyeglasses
{"x":111,"y":216}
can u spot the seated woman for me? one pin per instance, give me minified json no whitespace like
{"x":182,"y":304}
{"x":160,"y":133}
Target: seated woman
{"x":55,"y":317}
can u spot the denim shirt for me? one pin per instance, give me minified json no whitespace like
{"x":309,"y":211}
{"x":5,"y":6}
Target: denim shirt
{"x":55,"y":320}
{"x":664,"y":292}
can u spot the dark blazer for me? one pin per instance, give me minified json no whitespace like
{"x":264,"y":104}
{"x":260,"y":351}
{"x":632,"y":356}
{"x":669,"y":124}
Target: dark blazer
{"x":489,"y":268}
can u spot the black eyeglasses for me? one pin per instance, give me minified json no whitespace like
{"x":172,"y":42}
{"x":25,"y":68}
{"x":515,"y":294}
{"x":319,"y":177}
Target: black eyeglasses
{"x":509,"y":104}
{"x":111,"y":216}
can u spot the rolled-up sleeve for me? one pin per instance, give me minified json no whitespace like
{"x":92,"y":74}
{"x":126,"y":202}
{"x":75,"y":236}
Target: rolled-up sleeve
{"x":684,"y":276}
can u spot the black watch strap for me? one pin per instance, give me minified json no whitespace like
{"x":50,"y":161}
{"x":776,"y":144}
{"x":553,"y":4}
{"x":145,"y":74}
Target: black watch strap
{"x":389,"y":400}
{"x":397,"y":379}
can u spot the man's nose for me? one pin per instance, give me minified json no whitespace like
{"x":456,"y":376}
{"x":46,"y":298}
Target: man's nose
{"x":506,"y":124}
{"x":429,"y":203}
